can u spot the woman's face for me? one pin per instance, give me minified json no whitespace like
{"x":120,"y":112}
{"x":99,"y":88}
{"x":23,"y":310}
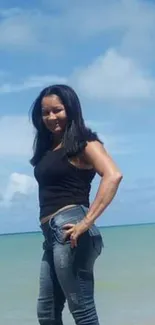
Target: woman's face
{"x":54,"y":114}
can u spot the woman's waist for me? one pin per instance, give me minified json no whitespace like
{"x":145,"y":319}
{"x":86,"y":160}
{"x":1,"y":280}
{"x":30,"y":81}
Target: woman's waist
{"x":55,"y":206}
{"x":53,"y":227}
{"x":66,"y":214}
{"x":51,"y":215}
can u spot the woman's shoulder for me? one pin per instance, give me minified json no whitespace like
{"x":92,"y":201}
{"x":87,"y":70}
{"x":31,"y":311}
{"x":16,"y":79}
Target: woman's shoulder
{"x":89,"y":151}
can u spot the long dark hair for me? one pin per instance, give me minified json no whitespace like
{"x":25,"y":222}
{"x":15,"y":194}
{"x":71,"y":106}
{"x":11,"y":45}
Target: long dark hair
{"x":76,"y":133}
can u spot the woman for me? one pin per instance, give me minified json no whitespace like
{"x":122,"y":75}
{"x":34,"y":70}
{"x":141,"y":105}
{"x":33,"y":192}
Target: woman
{"x":67,"y":155}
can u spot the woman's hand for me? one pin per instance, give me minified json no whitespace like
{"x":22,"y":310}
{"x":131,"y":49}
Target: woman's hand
{"x":73,"y":231}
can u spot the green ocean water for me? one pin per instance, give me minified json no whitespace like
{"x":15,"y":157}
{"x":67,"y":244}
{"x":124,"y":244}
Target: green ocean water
{"x":124,"y":274}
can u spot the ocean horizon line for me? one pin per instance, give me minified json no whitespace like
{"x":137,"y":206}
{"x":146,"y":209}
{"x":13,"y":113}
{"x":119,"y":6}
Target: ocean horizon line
{"x":101,"y":227}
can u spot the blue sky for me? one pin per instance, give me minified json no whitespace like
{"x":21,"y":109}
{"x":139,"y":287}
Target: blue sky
{"x":105,"y":50}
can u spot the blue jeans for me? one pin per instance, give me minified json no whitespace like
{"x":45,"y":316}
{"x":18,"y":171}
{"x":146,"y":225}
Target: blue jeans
{"x":67,"y":273}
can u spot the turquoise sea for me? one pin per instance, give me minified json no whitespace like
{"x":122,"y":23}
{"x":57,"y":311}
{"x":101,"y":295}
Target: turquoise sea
{"x":125,"y":277}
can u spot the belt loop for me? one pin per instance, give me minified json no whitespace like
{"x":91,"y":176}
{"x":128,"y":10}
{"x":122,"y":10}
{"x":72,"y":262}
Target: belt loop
{"x":84,"y":209}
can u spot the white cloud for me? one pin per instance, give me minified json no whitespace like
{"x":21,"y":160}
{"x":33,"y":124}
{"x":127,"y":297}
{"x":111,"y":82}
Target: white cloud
{"x":115,"y":144}
{"x":16,"y":136}
{"x":18,"y":141}
{"x":15,"y":30}
{"x":18,"y":204}
{"x":138,"y":38}
{"x":30,"y":30}
{"x":113,"y":76}
{"x":31,"y":82}
{"x":109,"y":77}
{"x":18,"y":183}
{"x":131,"y":23}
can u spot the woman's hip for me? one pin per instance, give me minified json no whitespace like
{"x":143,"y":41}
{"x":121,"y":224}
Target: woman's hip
{"x":54,"y":233}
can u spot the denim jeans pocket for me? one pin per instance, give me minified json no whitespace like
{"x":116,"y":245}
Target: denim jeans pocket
{"x":59,"y":235}
{"x":59,"y":232}
{"x":73,"y":216}
{"x":96,"y":238}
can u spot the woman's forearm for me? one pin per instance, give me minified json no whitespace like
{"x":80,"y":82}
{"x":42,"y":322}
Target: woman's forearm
{"x":106,"y":192}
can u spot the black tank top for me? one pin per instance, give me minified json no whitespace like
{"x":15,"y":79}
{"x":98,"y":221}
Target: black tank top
{"x":61,"y":183}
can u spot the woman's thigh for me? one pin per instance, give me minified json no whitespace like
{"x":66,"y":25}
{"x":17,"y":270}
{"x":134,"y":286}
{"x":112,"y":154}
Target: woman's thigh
{"x":74,"y":266}
{"x":51,"y":297}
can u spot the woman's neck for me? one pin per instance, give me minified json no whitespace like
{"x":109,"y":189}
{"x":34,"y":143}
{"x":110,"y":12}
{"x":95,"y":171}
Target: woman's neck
{"x":57,"y":141}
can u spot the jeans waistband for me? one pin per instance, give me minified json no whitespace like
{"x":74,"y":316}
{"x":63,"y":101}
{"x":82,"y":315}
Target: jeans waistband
{"x":75,"y":213}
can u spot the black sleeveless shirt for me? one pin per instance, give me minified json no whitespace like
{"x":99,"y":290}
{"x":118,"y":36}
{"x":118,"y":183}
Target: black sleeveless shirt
{"x":61,"y":183}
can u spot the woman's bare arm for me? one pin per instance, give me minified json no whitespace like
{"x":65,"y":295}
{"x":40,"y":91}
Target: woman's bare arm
{"x":96,"y":155}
